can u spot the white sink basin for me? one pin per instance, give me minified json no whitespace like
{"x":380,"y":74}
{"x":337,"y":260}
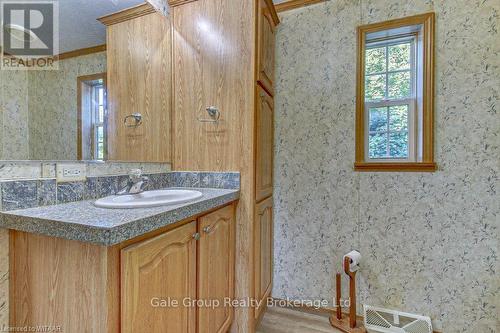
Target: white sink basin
{"x":149,"y":199}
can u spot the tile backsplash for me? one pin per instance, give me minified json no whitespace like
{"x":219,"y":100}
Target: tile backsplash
{"x":27,"y":193}
{"x":21,"y":193}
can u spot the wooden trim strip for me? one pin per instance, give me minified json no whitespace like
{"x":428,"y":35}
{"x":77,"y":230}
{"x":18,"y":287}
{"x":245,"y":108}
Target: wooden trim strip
{"x":273,"y":12}
{"x":127,"y":14}
{"x":293,"y":4}
{"x":174,"y":3}
{"x":72,"y":54}
{"x":81,"y":52}
{"x":396,"y":167}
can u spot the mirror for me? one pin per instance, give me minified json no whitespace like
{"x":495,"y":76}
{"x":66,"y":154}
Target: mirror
{"x":60,"y":114}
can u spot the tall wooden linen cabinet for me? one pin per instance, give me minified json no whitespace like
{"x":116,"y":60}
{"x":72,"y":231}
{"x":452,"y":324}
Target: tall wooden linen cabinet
{"x":222,"y":56}
{"x":139,"y":72}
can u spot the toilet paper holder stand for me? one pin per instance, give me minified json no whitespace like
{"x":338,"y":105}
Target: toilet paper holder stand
{"x":348,"y":324}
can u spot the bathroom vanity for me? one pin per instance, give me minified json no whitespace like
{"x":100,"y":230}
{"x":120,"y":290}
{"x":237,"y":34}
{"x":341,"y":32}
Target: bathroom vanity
{"x":195,"y":90}
{"x":90,"y":269}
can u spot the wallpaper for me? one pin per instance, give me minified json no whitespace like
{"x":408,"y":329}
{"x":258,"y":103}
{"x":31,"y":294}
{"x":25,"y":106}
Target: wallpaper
{"x":429,"y":241}
{"x":52,"y":99}
{"x":39,"y":110}
{"x":161,"y":6}
{"x":14,"y":115}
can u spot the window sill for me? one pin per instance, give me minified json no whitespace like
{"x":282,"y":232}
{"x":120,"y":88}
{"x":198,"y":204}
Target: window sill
{"x":395,"y":167}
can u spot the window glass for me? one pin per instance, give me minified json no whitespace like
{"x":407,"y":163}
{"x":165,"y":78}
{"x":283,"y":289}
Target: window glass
{"x":99,"y":135}
{"x":375,"y":60}
{"x":388,"y":89}
{"x":375,"y":87}
{"x":399,"y":85}
{"x":399,"y":57}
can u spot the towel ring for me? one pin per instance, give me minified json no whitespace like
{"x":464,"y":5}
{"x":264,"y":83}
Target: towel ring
{"x":137,"y":120}
{"x":214,"y":114}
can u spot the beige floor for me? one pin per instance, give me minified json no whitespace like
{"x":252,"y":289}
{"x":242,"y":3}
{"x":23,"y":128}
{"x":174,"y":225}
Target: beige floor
{"x":280,"y":320}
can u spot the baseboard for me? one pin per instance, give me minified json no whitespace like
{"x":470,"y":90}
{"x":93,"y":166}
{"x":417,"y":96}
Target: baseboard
{"x":322,"y":311}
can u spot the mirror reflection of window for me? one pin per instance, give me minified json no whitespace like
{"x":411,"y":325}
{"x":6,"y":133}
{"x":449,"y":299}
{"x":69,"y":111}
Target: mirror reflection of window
{"x":98,"y":120}
{"x":92,"y":117}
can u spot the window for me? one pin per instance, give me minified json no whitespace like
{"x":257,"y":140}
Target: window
{"x":394,"y":96}
{"x":92,"y":117}
{"x":98,"y":120}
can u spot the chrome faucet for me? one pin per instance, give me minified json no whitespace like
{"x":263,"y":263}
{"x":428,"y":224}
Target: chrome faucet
{"x":137,"y":183}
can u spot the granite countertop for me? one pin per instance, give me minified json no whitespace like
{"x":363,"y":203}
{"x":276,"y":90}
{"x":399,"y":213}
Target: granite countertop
{"x":83,"y":221}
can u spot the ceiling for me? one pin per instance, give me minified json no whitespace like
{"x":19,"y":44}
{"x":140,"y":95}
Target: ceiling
{"x":78,"y":25}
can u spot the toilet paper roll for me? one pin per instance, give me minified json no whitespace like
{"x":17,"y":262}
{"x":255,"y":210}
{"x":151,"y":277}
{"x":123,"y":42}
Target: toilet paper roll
{"x":355,"y":259}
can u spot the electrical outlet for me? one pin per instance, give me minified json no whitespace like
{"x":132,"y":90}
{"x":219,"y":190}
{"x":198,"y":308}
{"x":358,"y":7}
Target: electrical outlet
{"x":71,"y":172}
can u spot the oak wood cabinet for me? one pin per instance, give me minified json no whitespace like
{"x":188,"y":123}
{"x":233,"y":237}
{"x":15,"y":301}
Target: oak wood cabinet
{"x":263,"y":247}
{"x":264,"y":145}
{"x":266,"y":47}
{"x":195,"y":261}
{"x":139,"y":80}
{"x":216,"y":270}
{"x":224,"y":57}
{"x":83,"y":287}
{"x":159,"y":267}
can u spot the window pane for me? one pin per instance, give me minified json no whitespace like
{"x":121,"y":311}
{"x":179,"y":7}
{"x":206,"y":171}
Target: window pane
{"x":378,"y":119}
{"x":375,"y":60}
{"x":101,"y":96}
{"x":378,"y":145}
{"x":100,"y":151}
{"x":101,"y":114}
{"x":398,"y":118}
{"x":399,"y":85}
{"x":399,"y":57}
{"x":100,"y":134}
{"x":375,"y":87}
{"x":398,"y":144}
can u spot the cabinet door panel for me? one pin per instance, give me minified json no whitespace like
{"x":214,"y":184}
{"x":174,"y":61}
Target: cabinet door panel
{"x":216,"y":269}
{"x":264,"y":146}
{"x":263,"y":243}
{"x":164,"y":266}
{"x":266,"y":46}
{"x":139,"y":80}
{"x":213,"y":62}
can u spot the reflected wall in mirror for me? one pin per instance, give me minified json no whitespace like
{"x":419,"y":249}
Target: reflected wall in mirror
{"x":61,"y":114}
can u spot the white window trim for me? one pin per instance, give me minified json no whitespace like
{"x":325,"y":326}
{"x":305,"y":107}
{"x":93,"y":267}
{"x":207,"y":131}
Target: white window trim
{"x":411,"y":102}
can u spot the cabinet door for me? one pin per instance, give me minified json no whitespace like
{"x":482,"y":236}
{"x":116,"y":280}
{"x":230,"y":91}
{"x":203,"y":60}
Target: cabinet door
{"x":216,"y":269}
{"x":264,"y":146}
{"x":263,"y":246}
{"x":156,"y":269}
{"x":266,"y":45}
{"x":139,"y":81}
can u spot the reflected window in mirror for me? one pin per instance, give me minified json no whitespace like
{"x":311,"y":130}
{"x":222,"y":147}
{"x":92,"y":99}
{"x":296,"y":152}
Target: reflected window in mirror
{"x":92,"y":141}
